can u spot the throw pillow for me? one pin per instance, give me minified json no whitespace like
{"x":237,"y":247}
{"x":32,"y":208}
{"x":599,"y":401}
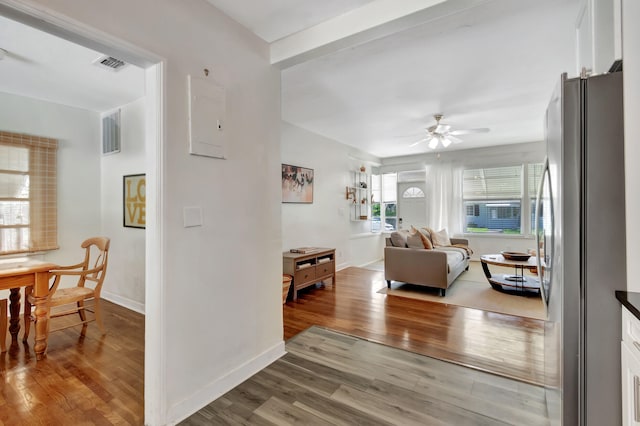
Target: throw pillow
{"x":424,"y":239}
{"x":399,"y":238}
{"x":414,"y":241}
{"x":440,"y":238}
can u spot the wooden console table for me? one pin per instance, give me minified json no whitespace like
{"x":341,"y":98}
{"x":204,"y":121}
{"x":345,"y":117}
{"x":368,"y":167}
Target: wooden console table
{"x":309,"y":268}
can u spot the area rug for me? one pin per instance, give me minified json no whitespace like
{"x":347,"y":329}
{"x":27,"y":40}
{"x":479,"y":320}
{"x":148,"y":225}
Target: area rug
{"x":472,"y":290}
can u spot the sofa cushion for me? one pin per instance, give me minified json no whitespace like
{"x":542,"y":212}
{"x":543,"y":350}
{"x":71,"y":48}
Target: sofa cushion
{"x":440,"y":238}
{"x":399,"y":238}
{"x":425,"y":237}
{"x":414,"y":241}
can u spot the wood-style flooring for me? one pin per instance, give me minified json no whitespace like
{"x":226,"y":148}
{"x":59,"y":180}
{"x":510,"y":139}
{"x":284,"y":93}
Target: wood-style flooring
{"x":501,"y":344}
{"x":95,"y":380}
{"x":329,"y":378}
{"x":99,"y":379}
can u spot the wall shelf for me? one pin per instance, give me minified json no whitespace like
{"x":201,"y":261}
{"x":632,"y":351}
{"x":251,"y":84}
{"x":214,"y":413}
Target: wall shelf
{"x":359,"y":195}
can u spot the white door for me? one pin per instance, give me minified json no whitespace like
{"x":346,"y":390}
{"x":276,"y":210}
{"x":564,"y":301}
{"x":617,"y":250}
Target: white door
{"x":412,"y":205}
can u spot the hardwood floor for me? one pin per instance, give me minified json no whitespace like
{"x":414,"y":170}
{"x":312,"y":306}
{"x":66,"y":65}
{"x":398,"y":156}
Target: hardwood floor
{"x":92,"y":380}
{"x":100,"y":379}
{"x":501,"y":344}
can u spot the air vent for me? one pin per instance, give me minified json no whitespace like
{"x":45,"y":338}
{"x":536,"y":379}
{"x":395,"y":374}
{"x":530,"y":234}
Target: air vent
{"x":111,"y":133}
{"x":110,"y":63}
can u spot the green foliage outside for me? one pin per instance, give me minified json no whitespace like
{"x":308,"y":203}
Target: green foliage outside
{"x":494,"y":231}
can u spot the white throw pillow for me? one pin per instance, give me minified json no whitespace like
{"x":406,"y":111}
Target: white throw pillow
{"x":440,"y":238}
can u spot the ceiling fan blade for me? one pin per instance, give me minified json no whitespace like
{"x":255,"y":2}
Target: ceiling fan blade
{"x":469,"y":131}
{"x":453,"y":139}
{"x":427,"y":139}
{"x":433,"y":144}
{"x":446,"y":142}
{"x":442,"y":128}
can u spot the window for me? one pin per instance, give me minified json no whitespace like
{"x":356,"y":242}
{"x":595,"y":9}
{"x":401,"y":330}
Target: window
{"x":28,"y":206}
{"x":413,"y":192}
{"x":494,"y":198}
{"x":389,"y":201}
{"x":384,"y":214}
{"x":376,"y":197}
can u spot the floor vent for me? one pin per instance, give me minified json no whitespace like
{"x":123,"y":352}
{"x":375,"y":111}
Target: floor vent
{"x":110,"y":63}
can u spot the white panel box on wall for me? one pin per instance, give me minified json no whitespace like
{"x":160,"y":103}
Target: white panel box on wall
{"x":207,"y":114}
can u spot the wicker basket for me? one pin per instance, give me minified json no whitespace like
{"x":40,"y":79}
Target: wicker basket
{"x":286,"y":283}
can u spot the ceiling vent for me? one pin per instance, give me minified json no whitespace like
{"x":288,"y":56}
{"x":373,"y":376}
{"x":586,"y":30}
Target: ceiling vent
{"x":110,"y":63}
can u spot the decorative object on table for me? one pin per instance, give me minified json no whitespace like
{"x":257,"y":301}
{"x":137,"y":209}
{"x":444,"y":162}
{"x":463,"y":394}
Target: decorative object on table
{"x":515,"y":255}
{"x":134,"y":201}
{"x":286,"y":284}
{"x":297,"y":184}
{"x":303,"y":250}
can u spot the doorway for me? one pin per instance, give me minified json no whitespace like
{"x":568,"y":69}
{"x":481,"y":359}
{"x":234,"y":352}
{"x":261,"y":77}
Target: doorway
{"x":149,"y":112}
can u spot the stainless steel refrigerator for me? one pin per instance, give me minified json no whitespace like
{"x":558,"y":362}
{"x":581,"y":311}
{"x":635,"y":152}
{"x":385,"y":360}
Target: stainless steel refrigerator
{"x":580,"y":226}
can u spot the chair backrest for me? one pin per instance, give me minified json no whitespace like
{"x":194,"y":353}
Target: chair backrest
{"x":95,"y":259}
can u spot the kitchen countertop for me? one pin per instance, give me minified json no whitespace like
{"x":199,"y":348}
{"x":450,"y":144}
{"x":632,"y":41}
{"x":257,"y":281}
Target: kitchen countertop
{"x":630,"y":300}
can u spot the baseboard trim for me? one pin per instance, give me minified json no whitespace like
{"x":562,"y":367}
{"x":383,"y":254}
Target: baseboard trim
{"x":219,"y":387}
{"x":123,"y":301}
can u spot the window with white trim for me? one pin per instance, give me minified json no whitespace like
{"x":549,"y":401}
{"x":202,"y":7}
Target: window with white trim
{"x":384,"y":207}
{"x":494,"y":198}
{"x":28,"y":193}
{"x":413,"y":192}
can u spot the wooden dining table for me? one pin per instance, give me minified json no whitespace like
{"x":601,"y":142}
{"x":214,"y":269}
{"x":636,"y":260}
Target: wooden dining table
{"x":24,"y":272}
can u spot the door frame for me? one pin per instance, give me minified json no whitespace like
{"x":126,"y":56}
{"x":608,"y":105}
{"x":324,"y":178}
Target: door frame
{"x":155,"y":67}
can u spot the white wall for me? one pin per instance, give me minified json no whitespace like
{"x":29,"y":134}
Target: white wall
{"x":220,"y":298}
{"x":326,"y":222}
{"x":631,"y":55}
{"x":125,"y":280}
{"x":78,"y":134}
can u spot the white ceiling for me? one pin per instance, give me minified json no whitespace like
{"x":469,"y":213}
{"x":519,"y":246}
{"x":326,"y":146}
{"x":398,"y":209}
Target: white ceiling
{"x":39,"y":65}
{"x":490,"y":64}
{"x":482,"y":63}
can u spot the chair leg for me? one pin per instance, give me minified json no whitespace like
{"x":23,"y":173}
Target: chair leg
{"x":98,"y":314}
{"x":3,"y":325}
{"x":83,"y":317}
{"x":27,"y":313}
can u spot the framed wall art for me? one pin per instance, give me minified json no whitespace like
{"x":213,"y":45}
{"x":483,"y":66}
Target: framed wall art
{"x":134,"y":201}
{"x":297,"y":184}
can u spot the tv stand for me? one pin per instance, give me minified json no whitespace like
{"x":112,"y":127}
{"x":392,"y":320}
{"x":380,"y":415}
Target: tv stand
{"x":309,"y":268}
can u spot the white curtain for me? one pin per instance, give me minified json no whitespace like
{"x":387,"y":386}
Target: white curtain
{"x":444,"y":205}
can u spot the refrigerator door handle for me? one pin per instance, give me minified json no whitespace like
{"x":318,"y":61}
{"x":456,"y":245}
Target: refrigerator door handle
{"x":545,"y":174}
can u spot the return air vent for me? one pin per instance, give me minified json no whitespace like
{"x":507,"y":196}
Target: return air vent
{"x":110,"y":63}
{"x":111,"y":133}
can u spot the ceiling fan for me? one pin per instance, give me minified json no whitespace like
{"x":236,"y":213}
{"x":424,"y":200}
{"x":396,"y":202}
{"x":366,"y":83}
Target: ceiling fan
{"x":442,"y":134}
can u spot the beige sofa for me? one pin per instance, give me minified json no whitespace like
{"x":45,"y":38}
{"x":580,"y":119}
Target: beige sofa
{"x":437,"y":267}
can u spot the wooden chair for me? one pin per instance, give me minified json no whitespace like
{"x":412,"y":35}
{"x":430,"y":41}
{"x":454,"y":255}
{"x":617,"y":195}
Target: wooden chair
{"x":91,"y":270}
{"x":3,"y":325}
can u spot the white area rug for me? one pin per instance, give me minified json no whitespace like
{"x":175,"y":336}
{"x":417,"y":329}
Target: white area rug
{"x":472,"y":290}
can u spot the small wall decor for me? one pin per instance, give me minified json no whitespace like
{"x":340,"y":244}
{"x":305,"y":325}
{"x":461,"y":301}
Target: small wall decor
{"x":297,"y":184}
{"x":134,"y":201}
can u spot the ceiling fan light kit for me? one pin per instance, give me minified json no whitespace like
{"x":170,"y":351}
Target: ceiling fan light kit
{"x":442,"y":134}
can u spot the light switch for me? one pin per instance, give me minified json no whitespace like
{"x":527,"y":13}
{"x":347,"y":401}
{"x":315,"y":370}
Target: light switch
{"x":192,"y":216}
